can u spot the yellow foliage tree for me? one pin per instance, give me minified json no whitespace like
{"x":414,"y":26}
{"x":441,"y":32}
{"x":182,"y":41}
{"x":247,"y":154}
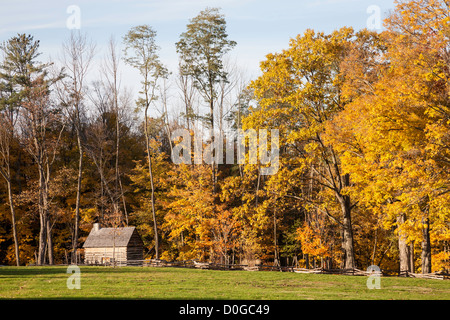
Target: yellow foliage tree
{"x":393,"y":136}
{"x":301,"y":89}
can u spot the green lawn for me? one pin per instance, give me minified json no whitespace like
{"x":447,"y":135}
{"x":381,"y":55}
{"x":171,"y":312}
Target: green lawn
{"x":174,"y":283}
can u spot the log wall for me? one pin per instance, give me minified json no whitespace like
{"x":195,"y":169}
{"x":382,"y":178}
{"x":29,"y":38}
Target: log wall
{"x":109,"y":255}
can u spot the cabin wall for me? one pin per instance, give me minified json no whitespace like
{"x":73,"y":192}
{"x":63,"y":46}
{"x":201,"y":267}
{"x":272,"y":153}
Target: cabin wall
{"x":135,"y":241}
{"x":104,"y":255}
{"x":101,"y":256}
{"x":135,"y":253}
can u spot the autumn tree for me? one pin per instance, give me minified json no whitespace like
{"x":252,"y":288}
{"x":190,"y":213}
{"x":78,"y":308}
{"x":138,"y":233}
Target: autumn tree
{"x":9,"y":105}
{"x":201,"y":49}
{"x":38,"y":115}
{"x":141,"y":53}
{"x":8,"y":119}
{"x":28,"y":86}
{"x":388,"y":135}
{"x":419,"y":32}
{"x":303,"y":85}
{"x":420,"y":29}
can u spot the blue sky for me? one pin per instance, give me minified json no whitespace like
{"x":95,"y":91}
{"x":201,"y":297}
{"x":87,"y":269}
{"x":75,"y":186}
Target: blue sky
{"x":258,"y":26}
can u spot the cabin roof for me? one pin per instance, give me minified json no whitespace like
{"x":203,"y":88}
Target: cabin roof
{"x":110,"y":237}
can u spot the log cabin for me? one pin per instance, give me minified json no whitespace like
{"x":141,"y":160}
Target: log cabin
{"x":119,"y":246}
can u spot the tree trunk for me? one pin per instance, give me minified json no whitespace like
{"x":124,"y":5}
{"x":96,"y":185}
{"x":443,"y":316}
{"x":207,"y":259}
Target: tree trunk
{"x":347,"y":241}
{"x":348,"y":261}
{"x":13,"y":220}
{"x":426,"y":248}
{"x":45,"y":240}
{"x":276,"y":261}
{"x":46,"y":208}
{"x":49,"y":243}
{"x":118,"y":185}
{"x":42,"y":219}
{"x":155,"y":226}
{"x":258,"y":184}
{"x":214,"y":153}
{"x":403,"y":248}
{"x":42,"y":237}
{"x":372,"y":262}
{"x":77,"y":204}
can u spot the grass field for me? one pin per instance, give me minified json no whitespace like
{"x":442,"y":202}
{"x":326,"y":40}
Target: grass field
{"x":174,"y":283}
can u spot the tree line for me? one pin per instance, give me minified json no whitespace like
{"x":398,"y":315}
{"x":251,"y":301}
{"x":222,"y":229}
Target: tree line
{"x":363,"y":169}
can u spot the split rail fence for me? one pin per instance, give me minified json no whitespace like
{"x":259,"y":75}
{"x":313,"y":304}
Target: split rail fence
{"x":215,"y":266}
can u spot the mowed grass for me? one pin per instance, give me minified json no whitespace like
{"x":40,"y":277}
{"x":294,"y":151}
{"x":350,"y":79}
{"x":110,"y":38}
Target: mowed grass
{"x":178,"y":283}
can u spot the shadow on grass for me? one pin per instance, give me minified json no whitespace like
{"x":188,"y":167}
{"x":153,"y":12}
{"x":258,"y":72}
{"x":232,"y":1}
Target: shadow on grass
{"x":61,"y":269}
{"x":31,"y":270}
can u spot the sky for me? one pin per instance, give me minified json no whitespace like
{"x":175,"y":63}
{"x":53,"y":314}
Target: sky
{"x":258,"y":26}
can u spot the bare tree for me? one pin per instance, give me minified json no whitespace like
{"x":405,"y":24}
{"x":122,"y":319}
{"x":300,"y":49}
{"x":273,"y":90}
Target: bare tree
{"x":38,"y":115}
{"x":7,"y":136}
{"x":110,"y":72}
{"x":8,"y":117}
{"x":188,"y":94}
{"x":77,"y":56}
{"x":100,"y":143}
{"x":164,"y":97}
{"x":141,"y":53}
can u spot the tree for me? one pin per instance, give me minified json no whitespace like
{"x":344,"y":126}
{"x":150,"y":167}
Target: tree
{"x":119,"y":104}
{"x":7,"y":139}
{"x":28,"y":88}
{"x":301,"y":90}
{"x":38,"y":116}
{"x":9,"y":105}
{"x":141,"y":52}
{"x":418,"y":39}
{"x":101,"y":147}
{"x":391,"y":134}
{"x":201,"y":49}
{"x":198,"y":227}
{"x":76,"y":59}
{"x":188,"y":95}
